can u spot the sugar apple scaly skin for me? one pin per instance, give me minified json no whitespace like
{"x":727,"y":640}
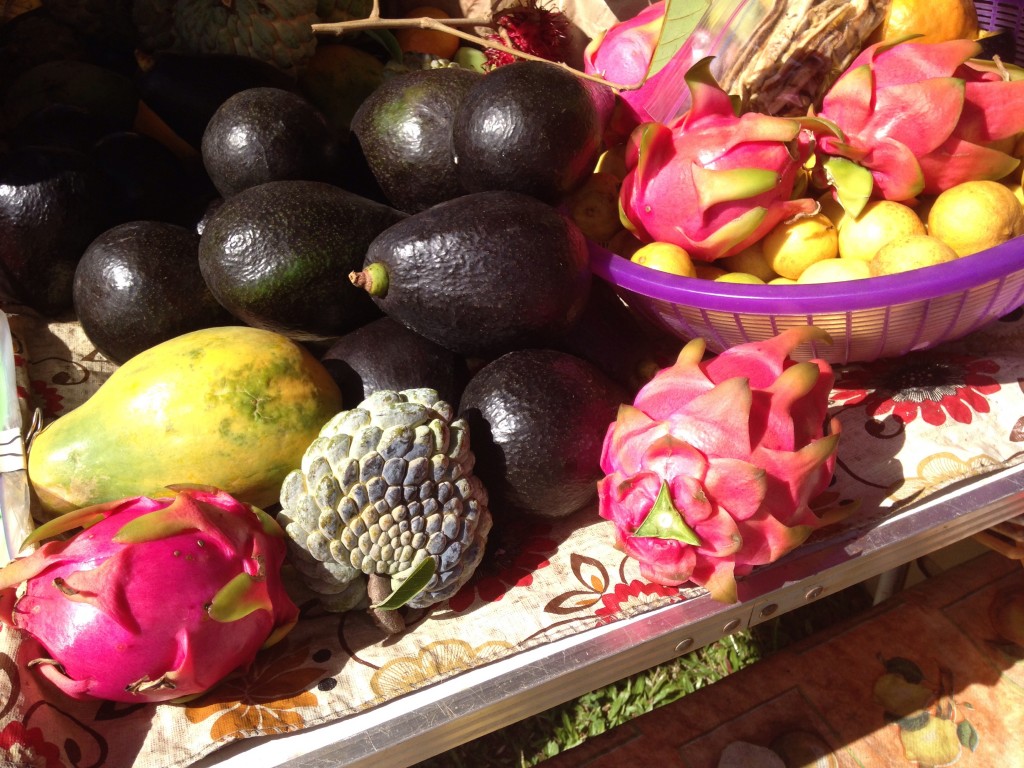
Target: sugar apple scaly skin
{"x":276,"y":31}
{"x":386,"y":485}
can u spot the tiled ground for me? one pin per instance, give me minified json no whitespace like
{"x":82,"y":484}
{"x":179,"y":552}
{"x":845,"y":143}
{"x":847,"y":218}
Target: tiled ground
{"x":932,"y":677}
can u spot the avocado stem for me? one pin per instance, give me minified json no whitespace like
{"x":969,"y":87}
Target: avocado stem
{"x":373,"y":279}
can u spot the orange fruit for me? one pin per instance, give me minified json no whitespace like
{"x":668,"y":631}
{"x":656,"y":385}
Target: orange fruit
{"x":937,"y":20}
{"x":430,"y":41}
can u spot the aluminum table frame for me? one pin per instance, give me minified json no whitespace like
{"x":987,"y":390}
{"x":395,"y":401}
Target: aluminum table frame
{"x":430,"y":721}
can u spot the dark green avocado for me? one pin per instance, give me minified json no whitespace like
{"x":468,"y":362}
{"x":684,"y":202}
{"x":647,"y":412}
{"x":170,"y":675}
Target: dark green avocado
{"x":267,"y":134}
{"x":620,"y":342}
{"x":482,"y":274}
{"x":405,"y":131}
{"x":277,"y":256}
{"x":529,"y":127}
{"x":54,"y":202}
{"x":537,"y":419}
{"x":384,"y":354}
{"x":139,"y":284}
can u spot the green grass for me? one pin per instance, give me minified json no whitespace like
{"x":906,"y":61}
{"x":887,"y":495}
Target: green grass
{"x":555,"y":730}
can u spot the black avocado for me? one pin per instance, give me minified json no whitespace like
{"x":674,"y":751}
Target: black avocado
{"x":537,"y":420}
{"x":278,"y":255}
{"x":482,"y":274}
{"x":139,"y":284}
{"x":529,"y":127}
{"x":404,"y":129}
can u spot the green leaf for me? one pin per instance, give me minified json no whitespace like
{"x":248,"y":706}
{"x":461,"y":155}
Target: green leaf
{"x":967,"y":734}
{"x":665,"y":522}
{"x":387,"y":40}
{"x":853,"y":183}
{"x":409,"y":588}
{"x":681,"y":18}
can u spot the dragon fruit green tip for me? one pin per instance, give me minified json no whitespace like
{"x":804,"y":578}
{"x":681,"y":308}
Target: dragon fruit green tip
{"x":711,"y":471}
{"x":156,"y":599}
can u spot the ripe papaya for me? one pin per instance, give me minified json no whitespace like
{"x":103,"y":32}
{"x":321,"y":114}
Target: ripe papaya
{"x":232,"y":407}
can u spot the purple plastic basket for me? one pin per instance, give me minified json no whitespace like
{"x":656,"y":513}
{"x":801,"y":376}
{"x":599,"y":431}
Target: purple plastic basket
{"x":867,"y":319}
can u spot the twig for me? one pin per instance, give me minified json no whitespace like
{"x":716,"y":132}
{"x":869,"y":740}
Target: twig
{"x":374,"y":21}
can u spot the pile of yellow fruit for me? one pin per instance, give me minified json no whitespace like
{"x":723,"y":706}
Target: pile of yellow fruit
{"x":830,"y":246}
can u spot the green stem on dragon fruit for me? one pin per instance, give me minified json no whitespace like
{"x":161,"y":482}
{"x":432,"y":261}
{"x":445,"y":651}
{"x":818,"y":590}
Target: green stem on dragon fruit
{"x":664,"y":521}
{"x":373,"y":279}
{"x":450,"y":26}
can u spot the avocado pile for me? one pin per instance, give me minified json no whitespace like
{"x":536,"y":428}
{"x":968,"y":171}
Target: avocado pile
{"x":420,"y":245}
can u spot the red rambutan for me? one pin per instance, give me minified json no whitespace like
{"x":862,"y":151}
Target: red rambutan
{"x":530,"y":28}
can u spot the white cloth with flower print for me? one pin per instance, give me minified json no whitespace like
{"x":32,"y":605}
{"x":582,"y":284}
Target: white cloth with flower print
{"x":911,"y":427}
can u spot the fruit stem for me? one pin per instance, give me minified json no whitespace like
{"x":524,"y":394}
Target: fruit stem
{"x":373,"y":279}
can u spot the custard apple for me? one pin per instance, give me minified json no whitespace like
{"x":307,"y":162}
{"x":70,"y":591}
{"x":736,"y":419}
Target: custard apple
{"x":279,"y":32}
{"x":386,"y":485}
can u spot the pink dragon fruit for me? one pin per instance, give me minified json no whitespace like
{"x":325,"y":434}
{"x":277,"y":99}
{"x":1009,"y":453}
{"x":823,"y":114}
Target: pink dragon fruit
{"x":711,"y":182}
{"x":921,"y":118}
{"x":156,"y":599}
{"x":710,"y":472}
{"x":622,"y":54}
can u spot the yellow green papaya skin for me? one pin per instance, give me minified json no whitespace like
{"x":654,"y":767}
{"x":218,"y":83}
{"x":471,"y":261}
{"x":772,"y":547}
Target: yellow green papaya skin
{"x":232,"y":407}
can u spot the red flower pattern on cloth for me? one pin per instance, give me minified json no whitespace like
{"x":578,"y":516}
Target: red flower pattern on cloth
{"x":625,"y":598}
{"x":50,"y":399}
{"x":931,"y":386}
{"x":27,"y":747}
{"x":517,"y":553}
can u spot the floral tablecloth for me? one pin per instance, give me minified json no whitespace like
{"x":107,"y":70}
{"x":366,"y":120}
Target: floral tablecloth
{"x":911,"y":427}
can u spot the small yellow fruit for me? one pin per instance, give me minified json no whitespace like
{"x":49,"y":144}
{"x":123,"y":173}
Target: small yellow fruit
{"x":835,"y":270}
{"x":911,"y":252}
{"x":613,"y":161}
{"x":879,"y":222}
{"x":706,"y":271}
{"x":937,"y":20}
{"x":832,"y":208}
{"x":665,"y":257}
{"x":624,"y":243}
{"x":975,"y":216}
{"x":750,"y":260}
{"x":793,"y":245}
{"x":739,"y":277}
{"x":782,"y":281}
{"x":1016,"y":188}
{"x":595,"y":207}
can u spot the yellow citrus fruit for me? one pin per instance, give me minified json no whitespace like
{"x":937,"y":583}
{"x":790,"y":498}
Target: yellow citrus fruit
{"x":613,"y":161}
{"x":937,"y":20}
{"x":430,"y":41}
{"x":879,"y":222}
{"x":665,"y":257}
{"x":595,"y":207}
{"x":793,"y":245}
{"x":624,"y":243}
{"x":739,"y":277}
{"x":976,"y":215}
{"x":911,"y":252}
{"x":831,"y":208}
{"x":1016,"y":188}
{"x":751,"y":261}
{"x":781,"y":281}
{"x":835,"y":270}
{"x":706,"y":271}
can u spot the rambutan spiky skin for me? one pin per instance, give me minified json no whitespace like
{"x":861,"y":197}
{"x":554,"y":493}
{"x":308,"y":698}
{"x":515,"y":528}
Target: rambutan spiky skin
{"x":532,"y":29}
